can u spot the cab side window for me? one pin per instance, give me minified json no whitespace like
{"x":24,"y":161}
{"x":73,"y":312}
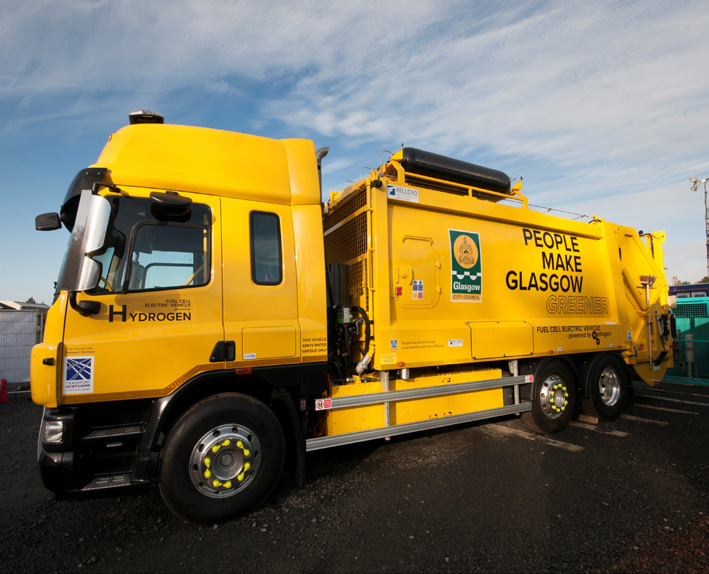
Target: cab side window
{"x":169,"y":256}
{"x":149,"y":247}
{"x":266,"y":251}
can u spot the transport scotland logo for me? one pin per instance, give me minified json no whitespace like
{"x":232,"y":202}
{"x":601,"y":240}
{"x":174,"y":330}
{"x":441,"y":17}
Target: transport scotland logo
{"x":466,"y":266}
{"x":78,"y":375}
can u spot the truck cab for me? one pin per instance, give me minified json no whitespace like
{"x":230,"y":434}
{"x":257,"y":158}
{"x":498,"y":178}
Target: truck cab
{"x":195,"y":266}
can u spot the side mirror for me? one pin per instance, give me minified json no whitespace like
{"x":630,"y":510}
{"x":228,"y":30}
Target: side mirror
{"x":81,"y":272}
{"x":47,"y":222}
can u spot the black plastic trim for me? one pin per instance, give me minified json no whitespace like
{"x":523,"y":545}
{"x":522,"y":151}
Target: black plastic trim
{"x":84,"y":308}
{"x":298,"y":381}
{"x":223,"y":351}
{"x":85,"y":179}
{"x":56,"y":461}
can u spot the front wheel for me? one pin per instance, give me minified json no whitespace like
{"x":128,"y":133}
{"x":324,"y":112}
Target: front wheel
{"x":553,"y":399}
{"x":608,"y":388}
{"x":222,"y":458}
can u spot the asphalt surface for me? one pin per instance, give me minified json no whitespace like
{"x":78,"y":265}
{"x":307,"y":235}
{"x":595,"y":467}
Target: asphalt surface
{"x":624,"y":496}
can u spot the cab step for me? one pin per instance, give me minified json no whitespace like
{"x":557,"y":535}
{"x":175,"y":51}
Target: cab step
{"x":113,"y":481}
{"x":114,"y":433}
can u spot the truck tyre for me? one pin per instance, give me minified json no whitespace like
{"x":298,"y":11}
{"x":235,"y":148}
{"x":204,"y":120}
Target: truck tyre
{"x":553,"y":399}
{"x":607,"y":386}
{"x":221,"y":459}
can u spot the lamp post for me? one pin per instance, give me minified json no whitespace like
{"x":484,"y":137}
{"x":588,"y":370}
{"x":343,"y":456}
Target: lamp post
{"x":695,"y":183}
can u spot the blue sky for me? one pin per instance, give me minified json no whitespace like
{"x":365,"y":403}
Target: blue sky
{"x":601,"y":106}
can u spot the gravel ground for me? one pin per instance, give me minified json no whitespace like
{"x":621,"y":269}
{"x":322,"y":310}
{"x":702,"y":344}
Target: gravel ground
{"x":477,"y":498}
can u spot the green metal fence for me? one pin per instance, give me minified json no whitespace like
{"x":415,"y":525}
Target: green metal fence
{"x":691,"y":347}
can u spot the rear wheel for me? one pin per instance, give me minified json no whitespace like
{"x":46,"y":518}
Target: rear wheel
{"x":553,"y":399}
{"x":608,"y":388}
{"x":222,"y":458}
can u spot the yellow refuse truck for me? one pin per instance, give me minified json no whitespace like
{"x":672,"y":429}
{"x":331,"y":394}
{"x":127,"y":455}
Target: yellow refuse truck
{"x":214,"y":319}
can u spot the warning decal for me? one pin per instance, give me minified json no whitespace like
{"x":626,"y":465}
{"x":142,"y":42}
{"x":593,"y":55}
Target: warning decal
{"x":466,"y":266}
{"x":417,"y":289}
{"x":78,"y":375}
{"x":323,"y":404}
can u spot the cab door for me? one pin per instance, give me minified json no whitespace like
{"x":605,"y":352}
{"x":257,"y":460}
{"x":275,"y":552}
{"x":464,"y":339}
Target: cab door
{"x":160,"y":296}
{"x":260,"y":297}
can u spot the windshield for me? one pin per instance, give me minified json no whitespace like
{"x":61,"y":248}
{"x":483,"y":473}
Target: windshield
{"x":135,"y":244}
{"x":58,"y":283}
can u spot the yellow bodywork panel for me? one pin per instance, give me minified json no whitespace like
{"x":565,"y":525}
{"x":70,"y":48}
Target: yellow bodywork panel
{"x":47,"y":357}
{"x":311,"y":286}
{"x":449,"y":405}
{"x":269,"y":341}
{"x":645,"y":287}
{"x":214,"y":162}
{"x":501,"y":339}
{"x":148,"y":340}
{"x":453,"y":275}
{"x":353,"y":419}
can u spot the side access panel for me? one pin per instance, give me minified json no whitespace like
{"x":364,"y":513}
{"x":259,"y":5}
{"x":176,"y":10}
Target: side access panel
{"x":501,"y":339}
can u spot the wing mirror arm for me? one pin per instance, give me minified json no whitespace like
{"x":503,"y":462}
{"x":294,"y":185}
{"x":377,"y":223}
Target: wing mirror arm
{"x":84,"y":308}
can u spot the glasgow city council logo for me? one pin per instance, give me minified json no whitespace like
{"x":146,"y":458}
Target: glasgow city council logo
{"x":466,"y":266}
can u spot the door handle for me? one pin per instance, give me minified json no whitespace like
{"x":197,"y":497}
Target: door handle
{"x":223,"y":351}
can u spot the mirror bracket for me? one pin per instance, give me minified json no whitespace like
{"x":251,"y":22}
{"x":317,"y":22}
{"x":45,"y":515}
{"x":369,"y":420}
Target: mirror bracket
{"x":170,"y":198}
{"x":84,"y":308}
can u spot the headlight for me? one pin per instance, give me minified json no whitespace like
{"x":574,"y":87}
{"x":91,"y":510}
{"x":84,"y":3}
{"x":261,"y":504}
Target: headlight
{"x":53,"y":432}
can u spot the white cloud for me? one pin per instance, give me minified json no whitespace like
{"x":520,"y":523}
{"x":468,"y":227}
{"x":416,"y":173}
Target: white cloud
{"x":600,"y":105}
{"x":572,"y":85}
{"x":221,"y":86}
{"x":336,"y":165}
{"x":49,"y":45}
{"x":576,"y":84}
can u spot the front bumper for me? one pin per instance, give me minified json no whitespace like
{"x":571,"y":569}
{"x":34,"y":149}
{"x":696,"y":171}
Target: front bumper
{"x":84,"y":465}
{"x":56,"y":459}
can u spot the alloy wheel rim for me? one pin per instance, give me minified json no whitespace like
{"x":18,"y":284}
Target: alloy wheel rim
{"x":225,"y":460}
{"x":609,"y":387}
{"x":553,"y":396}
